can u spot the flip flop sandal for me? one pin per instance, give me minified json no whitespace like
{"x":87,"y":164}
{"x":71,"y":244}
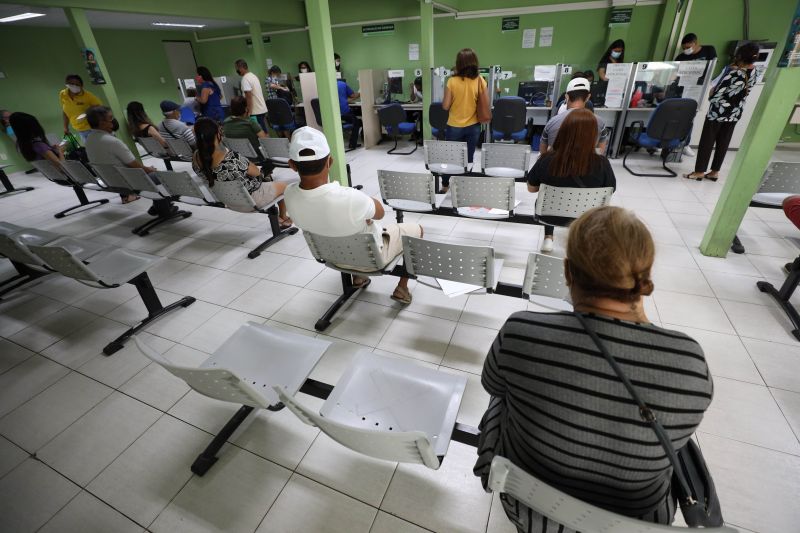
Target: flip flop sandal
{"x":693,"y":176}
{"x":285,"y":223}
{"x":362,"y":284}
{"x":404,"y":296}
{"x":710,"y":178}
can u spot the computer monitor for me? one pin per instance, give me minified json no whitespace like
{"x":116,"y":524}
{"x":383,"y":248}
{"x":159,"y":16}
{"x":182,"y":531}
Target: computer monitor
{"x":396,"y":85}
{"x":598,"y":93}
{"x":534,"y":93}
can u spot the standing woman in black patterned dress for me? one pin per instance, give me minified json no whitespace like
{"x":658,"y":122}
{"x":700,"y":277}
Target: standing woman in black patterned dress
{"x":724,"y":111}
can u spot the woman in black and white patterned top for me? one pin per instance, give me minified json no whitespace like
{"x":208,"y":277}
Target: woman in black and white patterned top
{"x":216,"y":163}
{"x":724,"y":111}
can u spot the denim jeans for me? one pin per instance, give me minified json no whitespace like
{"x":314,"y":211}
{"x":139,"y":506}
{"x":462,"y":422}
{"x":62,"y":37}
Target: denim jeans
{"x":470,"y":134}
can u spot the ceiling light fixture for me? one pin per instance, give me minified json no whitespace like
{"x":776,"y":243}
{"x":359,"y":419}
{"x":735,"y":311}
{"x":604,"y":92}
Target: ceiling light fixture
{"x":179,"y":25}
{"x":21,"y":16}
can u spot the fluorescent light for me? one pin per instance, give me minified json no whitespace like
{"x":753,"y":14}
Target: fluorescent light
{"x":179,"y":25}
{"x":21,"y":16}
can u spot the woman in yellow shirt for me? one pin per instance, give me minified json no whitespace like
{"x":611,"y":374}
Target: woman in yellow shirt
{"x":461,"y":98}
{"x":74,"y":103}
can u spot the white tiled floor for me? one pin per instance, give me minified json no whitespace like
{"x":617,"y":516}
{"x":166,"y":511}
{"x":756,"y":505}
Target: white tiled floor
{"x":95,"y":443}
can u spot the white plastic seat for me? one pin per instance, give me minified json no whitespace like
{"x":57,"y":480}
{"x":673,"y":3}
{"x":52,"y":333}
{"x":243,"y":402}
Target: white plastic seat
{"x":244,"y":147}
{"x":185,"y":186}
{"x":505,"y":160}
{"x":14,"y":242}
{"x":6,"y":228}
{"x":544,"y":282}
{"x":276,"y":150}
{"x":409,"y":191}
{"x":180,"y":149}
{"x":247,"y":369}
{"x":569,"y":202}
{"x":80,"y":174}
{"x":480,"y":197}
{"x":446,"y":157}
{"x":153,"y":147}
{"x":506,"y":477}
{"x":111,"y":176}
{"x":474,"y":266}
{"x":110,"y":270}
{"x":781,"y":180}
{"x":139,"y":181}
{"x":389,"y":408}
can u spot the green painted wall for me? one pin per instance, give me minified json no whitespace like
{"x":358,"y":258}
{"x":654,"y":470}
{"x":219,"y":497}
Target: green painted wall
{"x":43,"y":56}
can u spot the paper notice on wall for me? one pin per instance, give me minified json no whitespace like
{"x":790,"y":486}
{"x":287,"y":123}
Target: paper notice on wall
{"x":545,"y":37}
{"x":544,"y":73}
{"x":269,"y":63}
{"x":413,"y":52}
{"x":691,"y":69}
{"x":529,"y":38}
{"x":189,"y":83}
{"x":396,"y":73}
{"x":695,"y":92}
{"x":617,"y":74}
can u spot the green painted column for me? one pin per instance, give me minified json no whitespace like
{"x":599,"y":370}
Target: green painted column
{"x":319,"y":33}
{"x":763,"y":132}
{"x":85,"y":39}
{"x":426,"y":55}
{"x":668,"y":15}
{"x":259,"y":68}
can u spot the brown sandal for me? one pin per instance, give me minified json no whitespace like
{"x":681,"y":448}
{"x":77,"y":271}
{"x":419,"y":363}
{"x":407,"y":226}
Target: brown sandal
{"x":285,"y":222}
{"x":401,"y":295}
{"x":361,"y":283}
{"x":697,"y":176}
{"x":710,"y":178}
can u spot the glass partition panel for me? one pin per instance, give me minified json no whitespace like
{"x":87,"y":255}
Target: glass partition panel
{"x":611,"y":94}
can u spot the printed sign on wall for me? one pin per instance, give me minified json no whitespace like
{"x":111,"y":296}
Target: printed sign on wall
{"x":93,"y":67}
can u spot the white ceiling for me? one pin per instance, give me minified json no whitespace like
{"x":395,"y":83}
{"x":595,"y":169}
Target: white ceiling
{"x":55,"y":17}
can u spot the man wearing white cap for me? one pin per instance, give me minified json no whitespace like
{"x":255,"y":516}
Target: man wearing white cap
{"x":578,"y":92}
{"x":328,"y":209}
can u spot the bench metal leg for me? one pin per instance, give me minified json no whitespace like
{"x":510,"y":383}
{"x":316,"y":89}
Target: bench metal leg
{"x":83,"y":203}
{"x":277,"y":232}
{"x":8,"y":186}
{"x":155,"y":310}
{"x":783,"y":295}
{"x":737,"y":247}
{"x":348,"y":291}
{"x":208,"y":457}
{"x":145,"y":228}
{"x":25,"y":275}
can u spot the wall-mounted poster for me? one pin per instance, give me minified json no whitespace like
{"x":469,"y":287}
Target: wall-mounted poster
{"x":791,"y":53}
{"x":93,"y":67}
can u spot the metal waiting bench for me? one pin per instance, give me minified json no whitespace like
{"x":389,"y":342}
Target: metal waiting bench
{"x":55,"y":174}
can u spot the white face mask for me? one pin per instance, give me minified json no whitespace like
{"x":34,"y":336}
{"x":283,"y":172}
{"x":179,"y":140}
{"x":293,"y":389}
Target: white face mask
{"x":74,"y":89}
{"x":338,"y":63}
{"x":304,"y":70}
{"x":616,"y":55}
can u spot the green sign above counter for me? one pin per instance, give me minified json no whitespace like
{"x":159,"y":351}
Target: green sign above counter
{"x":621,"y":15}
{"x":510,"y":24}
{"x":376,"y":29}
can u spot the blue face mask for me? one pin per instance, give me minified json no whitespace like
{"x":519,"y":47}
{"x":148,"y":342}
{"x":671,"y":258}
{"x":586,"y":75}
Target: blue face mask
{"x":10,"y":131}
{"x":616,"y":55}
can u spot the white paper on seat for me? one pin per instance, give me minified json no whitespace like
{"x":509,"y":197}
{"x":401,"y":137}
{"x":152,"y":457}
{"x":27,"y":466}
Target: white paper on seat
{"x":452,"y":289}
{"x":483,"y":212}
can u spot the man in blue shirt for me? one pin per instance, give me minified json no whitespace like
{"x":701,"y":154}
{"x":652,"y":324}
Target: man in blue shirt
{"x":347,"y":95}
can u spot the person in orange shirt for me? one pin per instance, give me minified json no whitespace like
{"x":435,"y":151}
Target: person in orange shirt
{"x":75,"y":100}
{"x":461,"y":99}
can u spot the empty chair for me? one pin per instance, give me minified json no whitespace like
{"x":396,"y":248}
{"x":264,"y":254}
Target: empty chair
{"x":393,"y":118}
{"x":109,"y":271}
{"x":276,"y":150}
{"x":667,"y":129}
{"x":389,"y":408}
{"x":507,"y":478}
{"x":505,"y":160}
{"x":544,"y":277}
{"x":180,"y":149}
{"x":280,"y":116}
{"x":470,"y":265}
{"x":479,"y":197}
{"x":408,"y":191}
{"x":558,"y":206}
{"x":6,"y":183}
{"x":234,"y":195}
{"x":244,"y":371}
{"x":346,"y":126}
{"x":437,"y":116}
{"x":50,"y":171}
{"x":155,"y":150}
{"x":187,"y":188}
{"x":354,"y":255}
{"x":82,"y":175}
{"x":446,"y":157}
{"x":244,"y":147}
{"x":508,"y":119}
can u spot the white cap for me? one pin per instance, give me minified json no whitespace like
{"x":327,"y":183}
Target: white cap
{"x":308,"y":138}
{"x":579,"y":84}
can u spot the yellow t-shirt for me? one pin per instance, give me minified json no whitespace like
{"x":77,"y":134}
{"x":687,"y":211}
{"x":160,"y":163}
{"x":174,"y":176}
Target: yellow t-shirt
{"x":76,"y":105}
{"x":464,"y":109}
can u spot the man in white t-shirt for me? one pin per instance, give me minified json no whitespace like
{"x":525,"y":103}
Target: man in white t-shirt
{"x":328,"y":209}
{"x":251,"y":88}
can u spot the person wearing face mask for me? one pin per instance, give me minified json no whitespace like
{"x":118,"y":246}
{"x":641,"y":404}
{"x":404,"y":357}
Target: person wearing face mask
{"x":614,"y":54}
{"x":251,"y":89}
{"x":5,"y":116}
{"x":75,"y":101}
{"x":692,"y":50}
{"x":337,"y":60}
{"x":303,"y":67}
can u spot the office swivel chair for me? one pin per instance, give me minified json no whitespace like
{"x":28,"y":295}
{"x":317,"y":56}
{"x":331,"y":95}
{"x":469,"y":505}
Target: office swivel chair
{"x":318,"y":115}
{"x":667,"y":129}
{"x":508,"y":119}
{"x":393,"y":118}
{"x":438,"y":116}
{"x":280,"y":115}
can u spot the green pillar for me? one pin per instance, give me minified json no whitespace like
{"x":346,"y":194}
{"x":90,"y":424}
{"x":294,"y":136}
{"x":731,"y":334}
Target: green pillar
{"x":668,"y":16}
{"x":319,"y":33}
{"x":260,"y":67}
{"x":426,"y":55}
{"x":85,"y":39}
{"x":763,"y":132}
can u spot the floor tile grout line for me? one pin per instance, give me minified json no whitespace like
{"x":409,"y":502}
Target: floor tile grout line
{"x":767,"y":448}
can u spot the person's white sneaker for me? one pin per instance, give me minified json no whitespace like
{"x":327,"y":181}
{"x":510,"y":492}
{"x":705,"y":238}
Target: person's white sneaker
{"x":687,"y":151}
{"x":547,"y":246}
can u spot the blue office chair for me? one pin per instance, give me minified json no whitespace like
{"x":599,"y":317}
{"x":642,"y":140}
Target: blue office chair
{"x":318,"y":115}
{"x":438,"y":116}
{"x":392,"y":117}
{"x":669,"y":126}
{"x":187,"y":115}
{"x":280,"y":115}
{"x":508,"y":119}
